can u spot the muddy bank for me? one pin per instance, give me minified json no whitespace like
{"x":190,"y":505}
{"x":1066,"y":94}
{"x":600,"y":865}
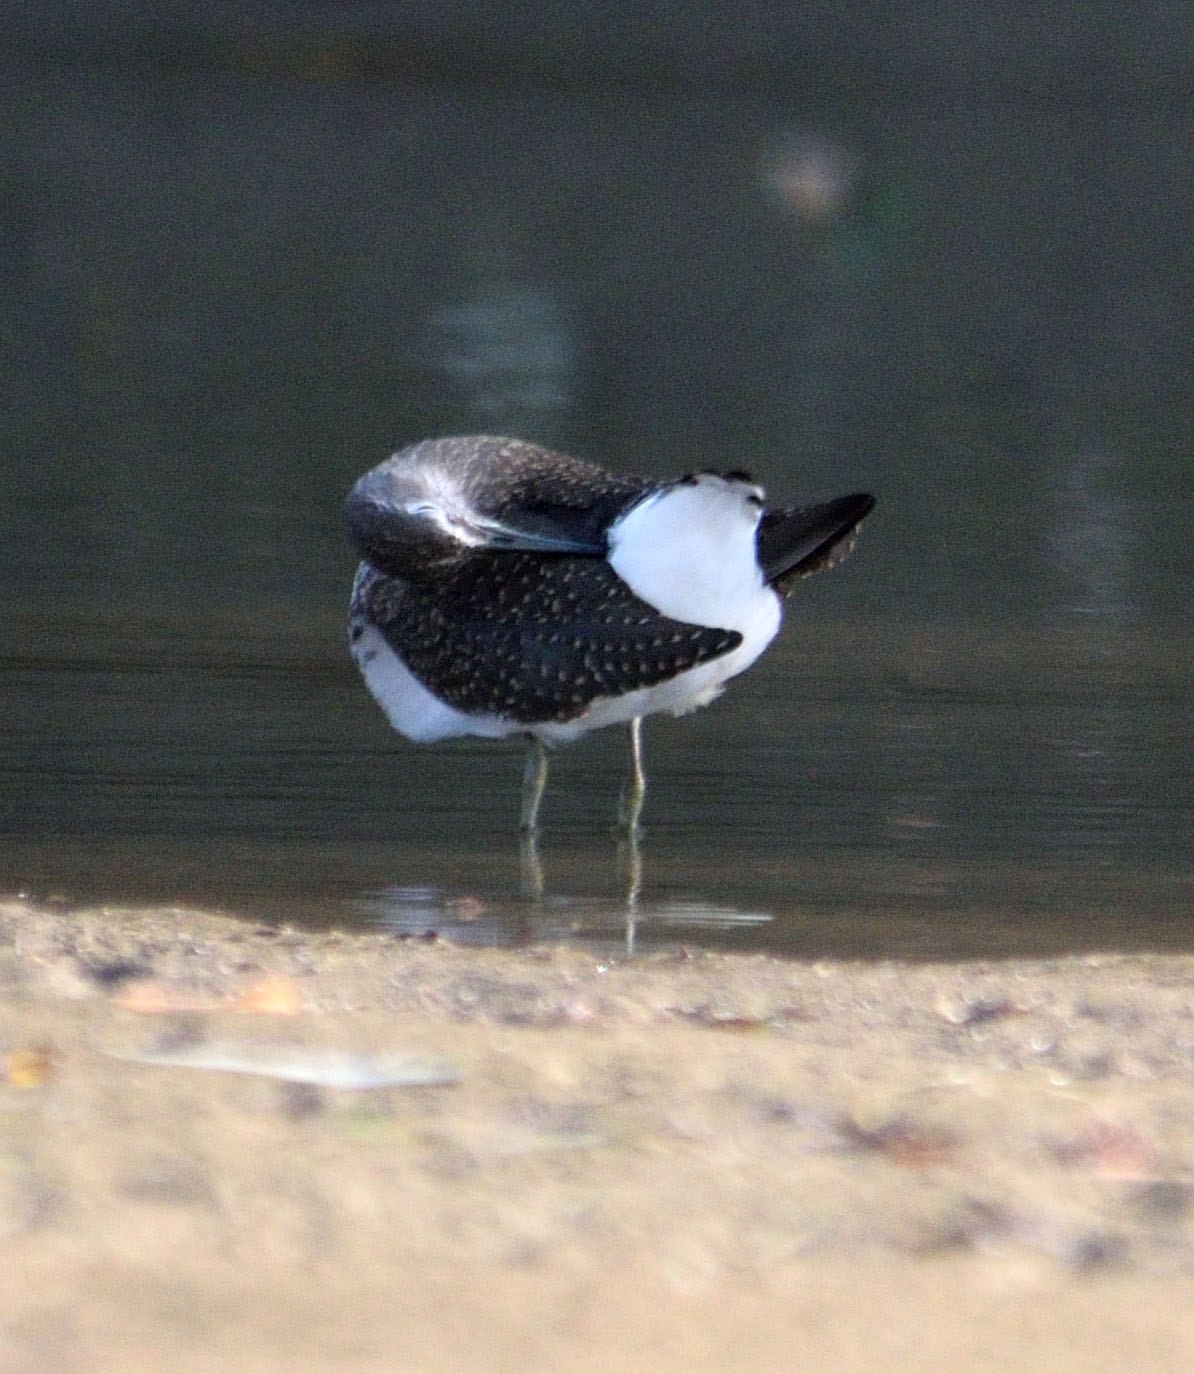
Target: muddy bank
{"x":224,"y":1145}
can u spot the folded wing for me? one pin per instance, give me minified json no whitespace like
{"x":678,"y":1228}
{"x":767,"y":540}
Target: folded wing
{"x":534,"y":639}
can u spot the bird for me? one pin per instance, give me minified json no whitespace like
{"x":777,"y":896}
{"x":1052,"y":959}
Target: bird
{"x":506,"y":589}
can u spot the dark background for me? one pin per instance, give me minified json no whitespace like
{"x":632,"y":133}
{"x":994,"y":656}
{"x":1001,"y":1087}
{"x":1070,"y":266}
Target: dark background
{"x":940,"y":252}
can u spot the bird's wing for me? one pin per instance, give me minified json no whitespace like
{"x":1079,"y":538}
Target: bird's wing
{"x":534,"y":639}
{"x":539,"y":500}
{"x":807,"y":539}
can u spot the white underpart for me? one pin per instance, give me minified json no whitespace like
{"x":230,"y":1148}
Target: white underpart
{"x":689,"y":551}
{"x":412,"y":710}
{"x":419,"y":715}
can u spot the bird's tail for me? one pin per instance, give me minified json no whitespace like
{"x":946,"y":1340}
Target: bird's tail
{"x":808,"y":539}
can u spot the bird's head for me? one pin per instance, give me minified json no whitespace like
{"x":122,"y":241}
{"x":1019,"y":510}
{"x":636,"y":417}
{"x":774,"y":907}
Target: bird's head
{"x":404,"y":518}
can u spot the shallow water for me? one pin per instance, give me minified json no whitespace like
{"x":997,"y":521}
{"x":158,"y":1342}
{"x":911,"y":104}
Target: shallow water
{"x":229,"y":294}
{"x":858,"y":797}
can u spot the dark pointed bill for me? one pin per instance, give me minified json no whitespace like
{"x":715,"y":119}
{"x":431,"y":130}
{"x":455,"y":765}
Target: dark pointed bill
{"x":547,"y":531}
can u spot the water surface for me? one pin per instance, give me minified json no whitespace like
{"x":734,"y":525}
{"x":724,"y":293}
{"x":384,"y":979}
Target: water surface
{"x":229,"y":292}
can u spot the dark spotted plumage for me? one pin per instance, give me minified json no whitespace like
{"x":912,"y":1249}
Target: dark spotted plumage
{"x":529,"y":638}
{"x":509,"y":477}
{"x":507,"y":589}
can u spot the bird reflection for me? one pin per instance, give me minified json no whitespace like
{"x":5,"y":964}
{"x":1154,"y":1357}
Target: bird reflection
{"x":534,"y":913}
{"x":629,"y":860}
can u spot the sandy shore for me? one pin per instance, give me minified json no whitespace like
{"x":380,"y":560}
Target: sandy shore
{"x":228,"y":1146}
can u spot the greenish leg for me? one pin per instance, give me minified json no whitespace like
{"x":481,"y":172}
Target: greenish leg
{"x":630,"y":852}
{"x":534,"y":780}
{"x":530,"y":866}
{"x":630,"y":808}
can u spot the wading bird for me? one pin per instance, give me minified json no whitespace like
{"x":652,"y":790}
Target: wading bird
{"x":509,"y":590}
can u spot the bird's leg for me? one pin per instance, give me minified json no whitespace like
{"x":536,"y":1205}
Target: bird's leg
{"x":630,"y":807}
{"x":629,"y":810}
{"x":629,"y":850}
{"x":530,"y":867}
{"x":534,"y":780}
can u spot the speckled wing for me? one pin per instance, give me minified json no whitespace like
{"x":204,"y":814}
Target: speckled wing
{"x":529,"y":490}
{"x":534,"y":639}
